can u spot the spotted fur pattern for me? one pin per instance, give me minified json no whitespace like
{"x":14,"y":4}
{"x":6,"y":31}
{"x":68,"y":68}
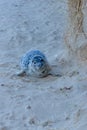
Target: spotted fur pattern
{"x":34,"y":63}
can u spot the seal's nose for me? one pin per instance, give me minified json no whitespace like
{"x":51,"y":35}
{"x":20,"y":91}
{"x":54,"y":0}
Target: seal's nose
{"x":40,"y":64}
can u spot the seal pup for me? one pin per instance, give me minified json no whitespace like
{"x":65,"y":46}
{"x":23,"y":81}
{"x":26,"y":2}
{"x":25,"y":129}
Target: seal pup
{"x":34,"y":63}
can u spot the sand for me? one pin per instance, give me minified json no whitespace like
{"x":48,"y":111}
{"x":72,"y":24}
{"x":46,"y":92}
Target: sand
{"x":50,"y":103}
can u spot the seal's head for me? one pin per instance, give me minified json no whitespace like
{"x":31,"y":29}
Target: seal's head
{"x":38,"y":66}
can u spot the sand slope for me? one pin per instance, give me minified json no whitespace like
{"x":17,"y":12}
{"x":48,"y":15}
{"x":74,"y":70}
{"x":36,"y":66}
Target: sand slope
{"x":51,"y":103}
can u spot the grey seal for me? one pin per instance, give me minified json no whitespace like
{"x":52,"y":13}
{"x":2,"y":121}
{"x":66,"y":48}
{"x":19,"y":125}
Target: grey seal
{"x":34,"y":63}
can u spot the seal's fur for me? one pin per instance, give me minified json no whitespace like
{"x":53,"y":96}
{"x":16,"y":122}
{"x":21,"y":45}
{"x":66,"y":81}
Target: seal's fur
{"x":34,"y":63}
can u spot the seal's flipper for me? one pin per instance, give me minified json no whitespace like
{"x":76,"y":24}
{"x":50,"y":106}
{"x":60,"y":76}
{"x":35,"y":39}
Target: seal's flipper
{"x":21,"y":73}
{"x":54,"y":74}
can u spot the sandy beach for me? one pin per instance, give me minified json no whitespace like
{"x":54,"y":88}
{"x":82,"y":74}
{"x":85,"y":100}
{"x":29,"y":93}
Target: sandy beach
{"x":50,"y":103}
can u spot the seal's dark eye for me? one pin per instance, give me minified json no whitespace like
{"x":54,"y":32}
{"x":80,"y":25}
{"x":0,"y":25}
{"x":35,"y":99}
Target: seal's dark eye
{"x":41,"y":60}
{"x":43,"y":72}
{"x":34,"y":62}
